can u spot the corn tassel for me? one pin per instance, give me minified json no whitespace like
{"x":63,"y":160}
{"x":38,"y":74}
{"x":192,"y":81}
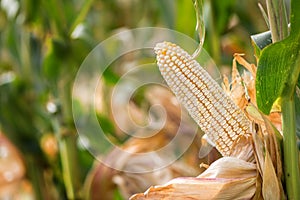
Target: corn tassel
{"x":215,"y":113}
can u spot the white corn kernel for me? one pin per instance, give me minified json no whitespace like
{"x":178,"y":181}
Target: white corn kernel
{"x":207,"y":102}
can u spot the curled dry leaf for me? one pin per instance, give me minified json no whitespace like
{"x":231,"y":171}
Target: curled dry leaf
{"x":217,"y":182}
{"x":200,"y":189}
{"x":270,"y":187}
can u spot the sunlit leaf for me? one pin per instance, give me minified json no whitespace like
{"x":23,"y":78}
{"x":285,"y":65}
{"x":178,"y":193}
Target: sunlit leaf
{"x":274,"y":71}
{"x":277,"y":71}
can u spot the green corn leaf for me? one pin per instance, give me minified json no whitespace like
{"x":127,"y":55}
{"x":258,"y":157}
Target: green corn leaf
{"x":275,"y":70}
{"x":278,"y":66}
{"x":297,"y":109}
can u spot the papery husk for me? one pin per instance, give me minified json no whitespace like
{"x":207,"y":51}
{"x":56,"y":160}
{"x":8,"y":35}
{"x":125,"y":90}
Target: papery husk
{"x":227,"y":178}
{"x":243,"y":149}
{"x":268,"y":157}
{"x":226,"y":167}
{"x":201,"y":189}
{"x":270,"y":187}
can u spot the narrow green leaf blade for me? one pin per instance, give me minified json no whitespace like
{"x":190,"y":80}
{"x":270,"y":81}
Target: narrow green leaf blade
{"x":295,"y":18}
{"x":297,"y":109}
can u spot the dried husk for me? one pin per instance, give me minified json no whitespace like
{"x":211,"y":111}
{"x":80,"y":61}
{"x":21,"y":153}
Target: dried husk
{"x":217,"y":182}
{"x":270,"y":187}
{"x":201,"y":189}
{"x":268,"y":156}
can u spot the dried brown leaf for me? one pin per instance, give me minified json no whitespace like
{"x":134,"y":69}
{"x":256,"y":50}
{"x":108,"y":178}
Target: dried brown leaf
{"x":201,"y":189}
{"x":230,"y":167}
{"x":270,"y":187}
{"x":226,"y":178}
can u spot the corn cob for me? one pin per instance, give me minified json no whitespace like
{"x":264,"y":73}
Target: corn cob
{"x":215,"y":113}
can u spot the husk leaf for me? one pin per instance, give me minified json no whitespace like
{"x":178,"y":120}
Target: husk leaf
{"x":226,"y":178}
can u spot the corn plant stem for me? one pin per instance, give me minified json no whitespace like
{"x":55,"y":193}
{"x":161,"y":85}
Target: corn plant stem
{"x":277,"y":19}
{"x":68,"y":160}
{"x":290,"y":150}
{"x":68,"y":156}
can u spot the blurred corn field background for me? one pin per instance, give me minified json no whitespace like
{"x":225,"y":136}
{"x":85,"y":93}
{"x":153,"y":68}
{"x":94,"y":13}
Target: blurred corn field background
{"x":42,"y":45}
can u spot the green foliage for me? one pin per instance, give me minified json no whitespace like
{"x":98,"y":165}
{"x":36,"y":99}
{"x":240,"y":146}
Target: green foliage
{"x":185,"y":18}
{"x":297,"y":107}
{"x":277,"y":19}
{"x":278,"y":68}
